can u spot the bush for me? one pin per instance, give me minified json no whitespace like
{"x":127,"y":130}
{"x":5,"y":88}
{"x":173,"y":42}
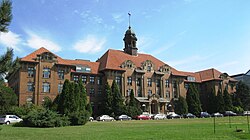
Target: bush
{"x":45,"y":118}
{"x":22,"y":111}
{"x":79,"y":118}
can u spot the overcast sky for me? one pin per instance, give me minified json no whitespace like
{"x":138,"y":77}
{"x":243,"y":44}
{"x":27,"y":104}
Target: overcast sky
{"x":189,"y":35}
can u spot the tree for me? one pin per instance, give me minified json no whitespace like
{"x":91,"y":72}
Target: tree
{"x":5,"y":15}
{"x":72,"y":103}
{"x":212,"y":101}
{"x":220,"y":102}
{"x":180,"y":106}
{"x":193,"y":100}
{"x":7,"y":64}
{"x":227,"y":100}
{"x":108,"y":100}
{"x":64,"y":104}
{"x":8,"y":99}
{"x":133,"y":108}
{"x":83,"y":97}
{"x":117,"y":104}
{"x":243,"y":94}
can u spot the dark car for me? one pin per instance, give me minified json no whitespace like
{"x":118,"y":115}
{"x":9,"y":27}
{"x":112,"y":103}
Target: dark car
{"x":189,"y":115}
{"x":205,"y":115}
{"x":123,"y":117}
{"x":230,"y":113}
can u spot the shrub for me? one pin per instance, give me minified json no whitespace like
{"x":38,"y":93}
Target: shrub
{"x":45,"y":118}
{"x":79,"y":118}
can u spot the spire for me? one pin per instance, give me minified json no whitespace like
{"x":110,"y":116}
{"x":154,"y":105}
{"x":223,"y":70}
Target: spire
{"x":129,"y":15}
{"x":130,"y":40}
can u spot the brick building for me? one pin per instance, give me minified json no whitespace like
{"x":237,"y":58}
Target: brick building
{"x":154,"y":82}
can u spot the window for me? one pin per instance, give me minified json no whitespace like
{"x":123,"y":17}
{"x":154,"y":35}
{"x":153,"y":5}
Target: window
{"x":149,"y":68}
{"x":167,"y":83}
{"x":30,"y":86}
{"x":99,"y":80}
{"x":149,"y":92}
{"x":158,"y":82}
{"x":75,"y":78}
{"x":60,"y":87}
{"x":118,"y":80}
{"x":60,"y":74}
{"x":167,"y":94}
{"x":186,"y":86}
{"x":92,"y":80}
{"x":84,"y":79}
{"x":175,"y":92}
{"x":190,"y":78}
{"x":138,"y":81}
{"x":92,"y":92}
{"x":129,"y":81}
{"x":30,"y":71}
{"x":46,"y":72}
{"x":99,"y":91}
{"x":139,"y":93}
{"x":128,"y":92}
{"x":158,"y":91}
{"x":149,"y":81}
{"x":46,"y":87}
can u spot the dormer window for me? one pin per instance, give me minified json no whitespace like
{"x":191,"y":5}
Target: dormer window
{"x":148,"y":68}
{"x":191,"y":79}
{"x":165,"y":69}
{"x":127,"y":64}
{"x":80,"y":68}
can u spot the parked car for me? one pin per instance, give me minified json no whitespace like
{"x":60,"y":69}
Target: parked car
{"x":246,"y":113}
{"x":8,"y":119}
{"x":173,"y":116}
{"x":105,"y":118}
{"x":189,"y":115}
{"x":143,"y":117}
{"x":123,"y":117}
{"x":205,"y":115}
{"x":230,"y":113}
{"x":159,"y":117}
{"x":217,"y":114}
{"x":91,"y":119}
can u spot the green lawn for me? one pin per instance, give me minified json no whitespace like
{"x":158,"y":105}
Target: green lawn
{"x":136,"y":130}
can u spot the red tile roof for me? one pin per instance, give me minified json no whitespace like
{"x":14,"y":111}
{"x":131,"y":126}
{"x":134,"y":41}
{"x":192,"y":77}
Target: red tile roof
{"x":93,"y":65}
{"x":113,"y":59}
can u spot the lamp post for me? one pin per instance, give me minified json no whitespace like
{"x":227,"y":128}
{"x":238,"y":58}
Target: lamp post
{"x":143,"y":107}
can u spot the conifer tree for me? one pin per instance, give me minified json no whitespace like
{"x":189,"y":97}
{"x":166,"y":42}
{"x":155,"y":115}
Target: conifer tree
{"x":227,"y":100}
{"x":212,"y":101}
{"x":220,"y":102}
{"x":108,"y":100}
{"x":133,"y":108}
{"x":193,"y":100}
{"x":117,"y":104}
{"x":243,"y":93}
{"x":63,"y":100}
{"x":180,"y":106}
{"x":5,"y":15}
{"x":83,"y":96}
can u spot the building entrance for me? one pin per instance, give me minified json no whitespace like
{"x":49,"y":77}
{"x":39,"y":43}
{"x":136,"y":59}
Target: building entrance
{"x":154,"y":107}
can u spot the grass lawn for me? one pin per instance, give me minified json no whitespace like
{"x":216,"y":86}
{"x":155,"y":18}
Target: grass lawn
{"x":193,"y":129}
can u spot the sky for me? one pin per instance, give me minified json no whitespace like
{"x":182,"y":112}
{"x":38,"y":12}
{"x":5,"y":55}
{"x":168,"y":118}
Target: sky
{"x":189,"y":35}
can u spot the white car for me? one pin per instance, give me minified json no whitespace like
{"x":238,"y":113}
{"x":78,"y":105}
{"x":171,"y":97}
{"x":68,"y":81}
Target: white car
{"x":8,"y":119}
{"x":160,"y":117}
{"x":105,"y":118}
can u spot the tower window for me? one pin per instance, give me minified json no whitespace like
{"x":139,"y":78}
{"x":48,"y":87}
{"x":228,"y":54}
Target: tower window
{"x":167,"y":83}
{"x":30,"y":86}
{"x":76,"y":78}
{"x":60,"y":74}
{"x":60,"y":87}
{"x":118,"y":80}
